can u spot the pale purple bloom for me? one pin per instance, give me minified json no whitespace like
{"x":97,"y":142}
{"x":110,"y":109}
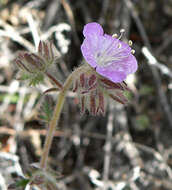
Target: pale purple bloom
{"x":110,"y":57}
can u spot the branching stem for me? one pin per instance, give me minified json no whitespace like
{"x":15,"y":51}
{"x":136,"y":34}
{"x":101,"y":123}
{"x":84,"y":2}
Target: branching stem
{"x":60,"y":86}
{"x":56,"y":115}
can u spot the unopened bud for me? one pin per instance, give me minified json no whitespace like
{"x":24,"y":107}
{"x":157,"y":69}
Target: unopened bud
{"x":30,"y":62}
{"x":48,"y":51}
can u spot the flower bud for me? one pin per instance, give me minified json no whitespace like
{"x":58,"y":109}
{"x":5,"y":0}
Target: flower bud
{"x":35,"y":65}
{"x":48,"y":51}
{"x":94,"y":90}
{"x":30,"y":62}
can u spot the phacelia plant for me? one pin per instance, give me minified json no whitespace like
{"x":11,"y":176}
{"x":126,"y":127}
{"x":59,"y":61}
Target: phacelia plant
{"x":108,"y":61}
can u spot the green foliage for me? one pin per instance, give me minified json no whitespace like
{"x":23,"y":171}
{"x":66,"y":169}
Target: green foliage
{"x":46,"y":110}
{"x":36,"y":79}
{"x":22,"y":183}
{"x":24,"y":76}
{"x":32,"y":78}
{"x":128,"y":95}
{"x":12,"y":97}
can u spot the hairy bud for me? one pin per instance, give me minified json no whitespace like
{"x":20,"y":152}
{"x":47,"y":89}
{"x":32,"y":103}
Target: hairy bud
{"x":94,"y":90}
{"x":35,"y":65}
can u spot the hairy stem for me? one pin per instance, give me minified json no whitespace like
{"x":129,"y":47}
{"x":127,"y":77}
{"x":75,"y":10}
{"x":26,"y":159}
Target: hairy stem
{"x":56,"y":115}
{"x":60,"y":86}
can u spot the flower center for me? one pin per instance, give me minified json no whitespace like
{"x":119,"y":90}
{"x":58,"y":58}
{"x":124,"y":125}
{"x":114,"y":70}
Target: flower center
{"x":111,"y":54}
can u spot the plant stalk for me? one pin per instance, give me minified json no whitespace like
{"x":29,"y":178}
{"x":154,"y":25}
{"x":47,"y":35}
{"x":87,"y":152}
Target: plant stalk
{"x":56,"y":115}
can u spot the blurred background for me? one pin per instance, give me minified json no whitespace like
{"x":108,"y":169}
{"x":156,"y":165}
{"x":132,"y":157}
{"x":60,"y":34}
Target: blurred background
{"x":129,"y":147}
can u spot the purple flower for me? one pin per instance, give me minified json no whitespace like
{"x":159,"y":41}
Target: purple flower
{"x":110,"y":57}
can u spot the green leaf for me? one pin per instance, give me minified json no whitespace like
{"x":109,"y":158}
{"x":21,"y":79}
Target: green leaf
{"x":47,"y":111}
{"x":13,"y":98}
{"x":22,"y":183}
{"x":46,"y":108}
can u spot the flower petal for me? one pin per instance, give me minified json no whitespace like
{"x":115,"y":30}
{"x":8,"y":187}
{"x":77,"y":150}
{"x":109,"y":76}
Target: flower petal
{"x":131,"y":65}
{"x":92,"y":28}
{"x":114,"y":76}
{"x":89,"y":48}
{"x":128,"y":65}
{"x":93,"y":48}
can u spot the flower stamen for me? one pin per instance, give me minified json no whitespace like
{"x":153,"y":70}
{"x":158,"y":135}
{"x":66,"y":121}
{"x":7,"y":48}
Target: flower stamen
{"x":115,"y":35}
{"x":130,"y":43}
{"x":133,"y":51}
{"x":121,"y":33}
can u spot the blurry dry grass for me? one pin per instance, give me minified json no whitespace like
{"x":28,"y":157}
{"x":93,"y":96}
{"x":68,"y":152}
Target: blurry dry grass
{"x":129,"y":148}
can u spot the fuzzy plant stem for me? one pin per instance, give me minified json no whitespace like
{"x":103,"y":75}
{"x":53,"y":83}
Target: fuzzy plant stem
{"x":55,"y":118}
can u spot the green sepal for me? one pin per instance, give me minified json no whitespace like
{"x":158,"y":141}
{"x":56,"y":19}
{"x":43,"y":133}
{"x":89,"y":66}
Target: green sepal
{"x":32,"y":78}
{"x":36,"y":79}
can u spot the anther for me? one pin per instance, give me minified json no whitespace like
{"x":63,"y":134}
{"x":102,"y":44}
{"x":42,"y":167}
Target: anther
{"x":132,"y":51}
{"x":130,"y":43}
{"x":115,"y":36}
{"x":122,"y":30}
